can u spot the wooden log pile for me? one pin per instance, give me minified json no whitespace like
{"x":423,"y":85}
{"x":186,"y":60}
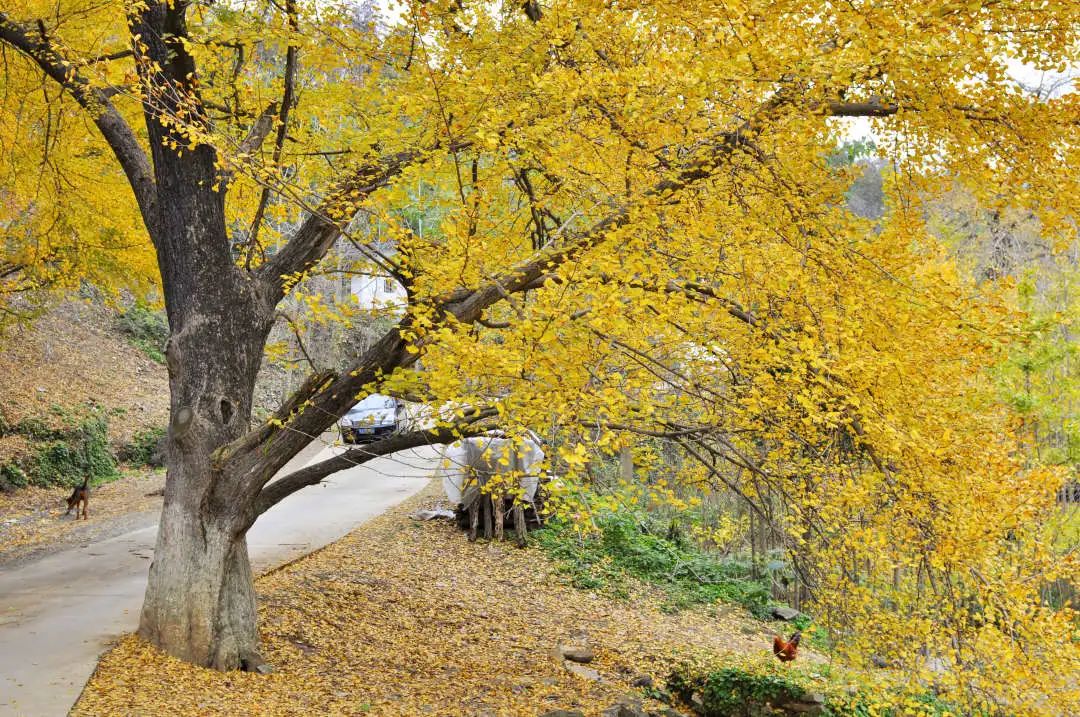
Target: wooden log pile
{"x":493,"y":515}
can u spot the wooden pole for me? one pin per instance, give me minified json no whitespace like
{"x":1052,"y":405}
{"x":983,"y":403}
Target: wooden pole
{"x":487,"y":506}
{"x":519,"y":524}
{"x":499,"y":503}
{"x":474,"y":518}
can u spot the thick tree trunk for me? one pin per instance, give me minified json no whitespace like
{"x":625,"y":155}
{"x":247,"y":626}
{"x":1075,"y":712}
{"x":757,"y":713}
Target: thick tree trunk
{"x":200,"y":600}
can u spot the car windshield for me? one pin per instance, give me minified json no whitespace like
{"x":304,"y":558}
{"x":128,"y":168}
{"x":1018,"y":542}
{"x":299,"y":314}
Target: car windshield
{"x":373,"y":402}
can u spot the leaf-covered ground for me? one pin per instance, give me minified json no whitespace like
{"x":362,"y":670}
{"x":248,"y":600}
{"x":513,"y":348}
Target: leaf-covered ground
{"x":408,"y":618}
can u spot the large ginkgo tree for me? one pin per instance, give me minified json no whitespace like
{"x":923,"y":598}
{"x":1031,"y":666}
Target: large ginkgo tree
{"x":632,"y":224}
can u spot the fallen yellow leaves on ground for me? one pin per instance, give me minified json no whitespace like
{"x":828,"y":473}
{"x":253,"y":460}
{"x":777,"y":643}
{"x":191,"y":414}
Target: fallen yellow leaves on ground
{"x":408,"y":618}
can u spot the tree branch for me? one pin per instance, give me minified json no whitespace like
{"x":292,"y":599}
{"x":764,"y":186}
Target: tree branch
{"x":285,"y":486}
{"x":260,"y":129}
{"x":260,"y":459}
{"x":288,"y":99}
{"x":299,"y":340}
{"x":114,"y":129}
{"x":467,"y":305}
{"x":252,"y":141}
{"x":871,"y":108}
{"x":253,"y":439}
{"x":674,"y":433}
{"x":324,"y":225}
{"x":108,"y":57}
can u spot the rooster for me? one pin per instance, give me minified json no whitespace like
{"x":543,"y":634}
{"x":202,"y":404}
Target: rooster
{"x":785,"y":651}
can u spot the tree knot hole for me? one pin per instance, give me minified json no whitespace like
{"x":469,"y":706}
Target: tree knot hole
{"x":226,"y":411}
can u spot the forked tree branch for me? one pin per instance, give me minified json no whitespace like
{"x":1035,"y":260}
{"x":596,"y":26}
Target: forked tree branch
{"x":326,"y":223}
{"x":465,"y":305}
{"x":260,"y":459}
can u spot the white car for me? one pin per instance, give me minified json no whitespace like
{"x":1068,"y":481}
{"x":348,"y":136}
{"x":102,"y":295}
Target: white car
{"x":375,"y":417}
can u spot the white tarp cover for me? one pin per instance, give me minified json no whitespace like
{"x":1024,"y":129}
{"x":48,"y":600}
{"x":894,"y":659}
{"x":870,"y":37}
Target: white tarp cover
{"x":488,"y":455}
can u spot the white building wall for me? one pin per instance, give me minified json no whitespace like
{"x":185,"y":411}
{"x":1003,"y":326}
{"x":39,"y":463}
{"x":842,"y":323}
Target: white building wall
{"x":379,"y":293}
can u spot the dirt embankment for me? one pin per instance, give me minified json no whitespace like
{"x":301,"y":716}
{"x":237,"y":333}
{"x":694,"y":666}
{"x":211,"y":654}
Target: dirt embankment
{"x":71,"y":356}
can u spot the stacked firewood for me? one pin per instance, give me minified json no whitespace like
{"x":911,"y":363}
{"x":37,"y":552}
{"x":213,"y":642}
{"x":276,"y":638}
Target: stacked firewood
{"x":494,"y":515}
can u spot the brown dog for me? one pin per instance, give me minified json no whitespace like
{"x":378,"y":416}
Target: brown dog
{"x":79,"y":497}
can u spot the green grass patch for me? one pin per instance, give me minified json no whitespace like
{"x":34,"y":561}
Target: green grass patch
{"x":146,"y":330}
{"x":628,"y":546}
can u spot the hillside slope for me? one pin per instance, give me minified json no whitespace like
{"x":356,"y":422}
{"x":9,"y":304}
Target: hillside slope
{"x":75,"y":396}
{"x":72,"y":357}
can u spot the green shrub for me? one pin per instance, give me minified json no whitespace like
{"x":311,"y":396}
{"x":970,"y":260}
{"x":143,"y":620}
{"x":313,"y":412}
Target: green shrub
{"x":143,"y":449}
{"x":632,"y":545}
{"x":734,"y":692}
{"x":64,"y":450}
{"x":146,"y":330}
{"x":82,"y":451}
{"x":151,"y":350}
{"x":12,"y":477}
{"x":36,"y":429}
{"x":731,"y":692}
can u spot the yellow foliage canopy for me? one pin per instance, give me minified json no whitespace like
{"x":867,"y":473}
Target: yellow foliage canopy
{"x":65,"y":209}
{"x":642,"y":191}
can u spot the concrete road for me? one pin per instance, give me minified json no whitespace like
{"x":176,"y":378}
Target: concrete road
{"x":58,"y":614}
